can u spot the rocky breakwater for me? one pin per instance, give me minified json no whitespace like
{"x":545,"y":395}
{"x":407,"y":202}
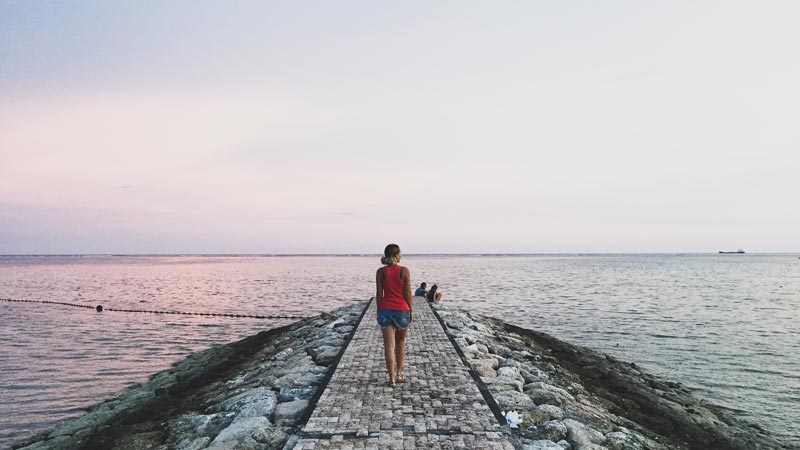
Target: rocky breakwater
{"x":246,"y":395}
{"x":571,"y":397}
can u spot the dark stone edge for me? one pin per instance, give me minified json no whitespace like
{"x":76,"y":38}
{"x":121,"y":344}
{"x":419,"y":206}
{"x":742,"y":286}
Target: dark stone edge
{"x":487,"y":396}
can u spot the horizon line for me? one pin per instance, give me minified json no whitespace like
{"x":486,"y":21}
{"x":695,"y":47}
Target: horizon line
{"x":378,"y":254}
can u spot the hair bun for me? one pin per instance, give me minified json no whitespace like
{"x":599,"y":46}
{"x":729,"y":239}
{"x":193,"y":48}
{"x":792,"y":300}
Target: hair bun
{"x":383,"y":260}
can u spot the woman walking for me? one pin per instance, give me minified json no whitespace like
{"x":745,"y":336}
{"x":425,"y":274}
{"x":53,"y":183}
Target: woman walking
{"x":393,"y":298}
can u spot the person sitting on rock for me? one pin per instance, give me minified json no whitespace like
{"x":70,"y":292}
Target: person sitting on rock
{"x":434,"y":296}
{"x":421,"y":291}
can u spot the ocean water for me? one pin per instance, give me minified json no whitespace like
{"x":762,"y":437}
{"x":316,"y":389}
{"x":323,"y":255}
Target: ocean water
{"x":727,"y":326}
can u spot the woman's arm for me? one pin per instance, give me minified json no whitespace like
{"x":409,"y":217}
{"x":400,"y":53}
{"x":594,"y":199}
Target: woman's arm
{"x":407,"y":286}
{"x":379,"y":289}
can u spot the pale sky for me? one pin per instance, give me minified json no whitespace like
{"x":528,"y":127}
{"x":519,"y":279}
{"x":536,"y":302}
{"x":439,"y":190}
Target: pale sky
{"x":338,"y":127}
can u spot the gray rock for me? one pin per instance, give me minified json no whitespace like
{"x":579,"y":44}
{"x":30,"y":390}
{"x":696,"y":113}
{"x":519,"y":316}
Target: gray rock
{"x":554,"y":412}
{"x":288,"y":394}
{"x":542,"y":445}
{"x":522,"y":355}
{"x":511,"y":362}
{"x":290,"y":411}
{"x":272,"y":437}
{"x":511,"y":372}
{"x":260,"y":401}
{"x":477,"y":327}
{"x":241,"y":429}
{"x":491,"y":362}
{"x":543,"y":396}
{"x":484,"y":370}
{"x":240,"y":379}
{"x":191,"y":426}
{"x":229,"y":445}
{"x":546,"y":393}
{"x":583,"y":436}
{"x":340,"y":322}
{"x":296,"y":365}
{"x":283,"y":354}
{"x":319,"y":370}
{"x":193,"y":444}
{"x":316,"y":351}
{"x":309,"y":379}
{"x":300,"y":373}
{"x":535,"y":375}
{"x":454,"y":323}
{"x":344,"y":329}
{"x":138,"y":441}
{"x":618,"y":440}
{"x":471,"y":337}
{"x":555,"y":430}
{"x":514,"y":383}
{"x":473,"y":350}
{"x":497,"y":388}
{"x":513,"y":400}
{"x":499,"y":349}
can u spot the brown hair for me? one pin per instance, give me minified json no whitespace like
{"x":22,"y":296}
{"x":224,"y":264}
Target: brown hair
{"x":389,"y":254}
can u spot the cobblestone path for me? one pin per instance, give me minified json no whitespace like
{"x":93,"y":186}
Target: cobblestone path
{"x":439,"y":407}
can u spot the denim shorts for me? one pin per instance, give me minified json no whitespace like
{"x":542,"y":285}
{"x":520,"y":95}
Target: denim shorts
{"x":400,"y":319}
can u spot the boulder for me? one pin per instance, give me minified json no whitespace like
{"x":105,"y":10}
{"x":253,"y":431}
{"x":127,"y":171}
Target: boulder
{"x":256,"y":402}
{"x":484,"y":370}
{"x":618,"y":440}
{"x":193,"y":444}
{"x":290,"y":411}
{"x":241,"y":429}
{"x":272,"y":437}
{"x":546,"y":393}
{"x":554,"y":412}
{"x":499,"y":349}
{"x":583,"y":436}
{"x":288,"y":394}
{"x":555,"y":430}
{"x":514,"y":383}
{"x":190,"y":427}
{"x":542,"y":445}
{"x":511,"y":372}
{"x":510,"y":400}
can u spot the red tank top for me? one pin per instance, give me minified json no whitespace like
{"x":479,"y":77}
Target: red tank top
{"x":393,"y":289}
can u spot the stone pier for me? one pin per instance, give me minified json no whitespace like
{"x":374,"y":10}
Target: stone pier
{"x":439,"y":407}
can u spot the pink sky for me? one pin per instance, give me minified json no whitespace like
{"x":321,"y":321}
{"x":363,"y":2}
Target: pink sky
{"x":267,"y":129}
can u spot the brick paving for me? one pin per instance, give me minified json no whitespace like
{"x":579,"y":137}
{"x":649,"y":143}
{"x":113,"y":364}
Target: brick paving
{"x":439,"y":407}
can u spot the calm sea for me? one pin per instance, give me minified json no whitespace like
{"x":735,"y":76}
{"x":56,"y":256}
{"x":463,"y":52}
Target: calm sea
{"x":727,"y":326}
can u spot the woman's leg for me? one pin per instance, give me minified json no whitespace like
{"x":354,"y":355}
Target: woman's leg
{"x":400,"y":350}
{"x":389,"y":350}
{"x":438,"y":297}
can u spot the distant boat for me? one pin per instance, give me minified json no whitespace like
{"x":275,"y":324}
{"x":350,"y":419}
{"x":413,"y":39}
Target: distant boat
{"x":737,"y":251}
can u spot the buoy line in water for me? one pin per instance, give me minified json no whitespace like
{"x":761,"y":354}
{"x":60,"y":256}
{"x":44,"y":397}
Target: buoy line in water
{"x":100,"y":308}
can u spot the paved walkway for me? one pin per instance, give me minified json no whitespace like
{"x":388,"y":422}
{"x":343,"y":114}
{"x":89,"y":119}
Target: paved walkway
{"x":440,"y":407}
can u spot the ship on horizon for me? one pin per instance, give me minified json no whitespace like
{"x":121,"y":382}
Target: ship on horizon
{"x":737,"y":251}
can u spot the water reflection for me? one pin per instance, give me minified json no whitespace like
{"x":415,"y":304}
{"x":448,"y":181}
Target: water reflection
{"x":727,"y":326}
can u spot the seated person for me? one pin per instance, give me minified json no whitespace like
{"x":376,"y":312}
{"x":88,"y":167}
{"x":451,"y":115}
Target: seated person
{"x":420,"y":292}
{"x":434,"y":296}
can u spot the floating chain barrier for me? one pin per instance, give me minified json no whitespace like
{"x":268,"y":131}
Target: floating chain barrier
{"x":99,"y":308}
